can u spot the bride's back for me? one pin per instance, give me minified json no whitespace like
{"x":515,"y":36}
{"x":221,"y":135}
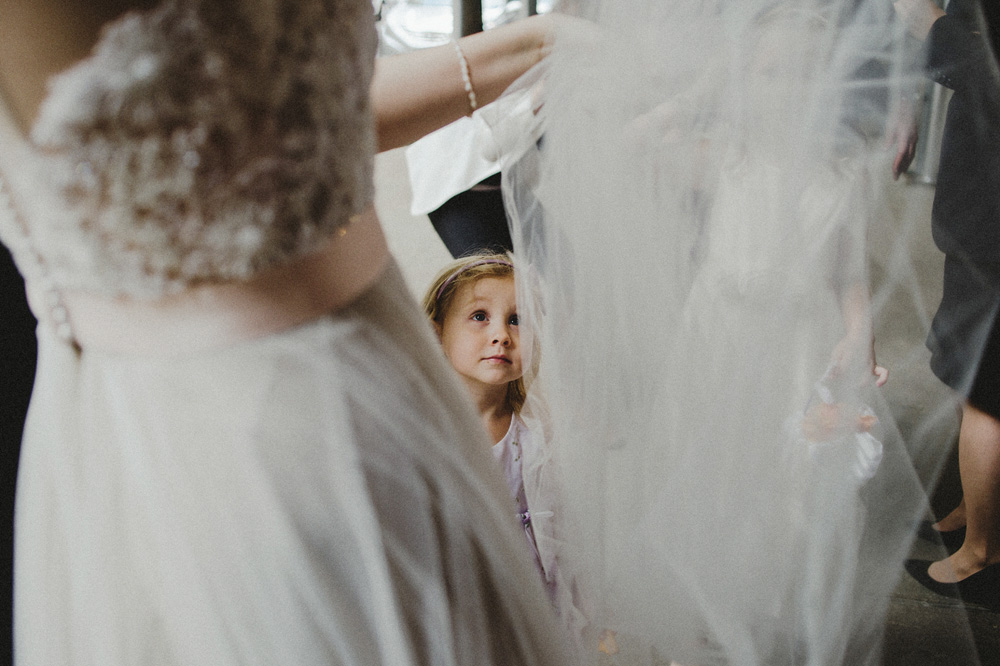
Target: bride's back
{"x":197,"y":142}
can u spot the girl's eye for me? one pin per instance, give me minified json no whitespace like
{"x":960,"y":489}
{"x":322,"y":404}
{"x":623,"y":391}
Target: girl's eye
{"x":513,"y":320}
{"x":479,"y":316}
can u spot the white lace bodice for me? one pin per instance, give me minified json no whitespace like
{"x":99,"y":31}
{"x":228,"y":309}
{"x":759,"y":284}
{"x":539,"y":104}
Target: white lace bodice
{"x":203,"y":141}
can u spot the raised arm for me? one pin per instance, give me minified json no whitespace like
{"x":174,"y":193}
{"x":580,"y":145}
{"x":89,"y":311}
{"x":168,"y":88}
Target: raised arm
{"x":418,"y":92}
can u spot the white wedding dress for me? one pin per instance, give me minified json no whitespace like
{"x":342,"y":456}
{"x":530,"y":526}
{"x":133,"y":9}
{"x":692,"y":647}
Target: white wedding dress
{"x":319,"y":495}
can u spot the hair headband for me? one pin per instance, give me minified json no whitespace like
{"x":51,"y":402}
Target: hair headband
{"x":451,"y":278}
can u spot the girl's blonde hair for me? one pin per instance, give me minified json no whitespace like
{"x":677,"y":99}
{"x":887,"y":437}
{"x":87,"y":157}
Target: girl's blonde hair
{"x":466,"y":271}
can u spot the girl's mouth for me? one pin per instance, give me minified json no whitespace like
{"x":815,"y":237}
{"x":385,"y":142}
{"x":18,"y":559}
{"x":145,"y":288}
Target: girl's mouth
{"x":498,"y":359}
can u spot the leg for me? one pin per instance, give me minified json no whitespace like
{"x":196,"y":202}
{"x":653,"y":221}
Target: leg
{"x":965,"y":354}
{"x":954,"y":520}
{"x":979,"y":466}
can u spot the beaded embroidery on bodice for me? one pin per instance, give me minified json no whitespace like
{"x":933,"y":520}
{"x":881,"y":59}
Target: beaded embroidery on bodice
{"x":203,"y":141}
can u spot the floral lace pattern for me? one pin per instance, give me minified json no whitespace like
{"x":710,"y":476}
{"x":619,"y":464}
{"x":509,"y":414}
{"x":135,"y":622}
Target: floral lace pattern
{"x":205,"y":141}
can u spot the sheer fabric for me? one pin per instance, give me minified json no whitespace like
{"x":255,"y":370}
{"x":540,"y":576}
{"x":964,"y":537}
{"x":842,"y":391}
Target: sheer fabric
{"x":708,"y":234}
{"x":320,"y":496}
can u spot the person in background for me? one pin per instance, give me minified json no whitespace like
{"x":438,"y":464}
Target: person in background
{"x":457,"y":185}
{"x":961,"y":50}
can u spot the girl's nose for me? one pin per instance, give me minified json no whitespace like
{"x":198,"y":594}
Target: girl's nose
{"x":502,"y":337}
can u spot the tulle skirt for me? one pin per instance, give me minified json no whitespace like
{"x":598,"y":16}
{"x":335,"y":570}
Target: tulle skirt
{"x":319,"y":496}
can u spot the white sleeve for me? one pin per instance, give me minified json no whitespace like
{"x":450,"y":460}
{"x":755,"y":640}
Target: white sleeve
{"x":447,"y":162}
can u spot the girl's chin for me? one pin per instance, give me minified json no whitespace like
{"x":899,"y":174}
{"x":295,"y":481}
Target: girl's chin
{"x":497,"y":378}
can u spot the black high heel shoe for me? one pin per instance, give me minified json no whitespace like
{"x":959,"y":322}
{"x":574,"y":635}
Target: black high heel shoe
{"x":951,"y":540}
{"x":982,"y":587}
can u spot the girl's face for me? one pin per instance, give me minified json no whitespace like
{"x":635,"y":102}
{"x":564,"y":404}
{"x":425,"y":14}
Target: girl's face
{"x":479,"y":332}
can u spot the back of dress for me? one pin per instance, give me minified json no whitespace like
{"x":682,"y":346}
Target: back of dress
{"x":201,"y":142}
{"x":322,"y":494}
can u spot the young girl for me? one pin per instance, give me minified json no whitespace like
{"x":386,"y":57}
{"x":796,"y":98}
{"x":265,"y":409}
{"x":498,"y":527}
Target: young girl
{"x":473,"y":307}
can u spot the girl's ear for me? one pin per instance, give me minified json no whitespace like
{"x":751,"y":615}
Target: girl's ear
{"x":437,"y":328}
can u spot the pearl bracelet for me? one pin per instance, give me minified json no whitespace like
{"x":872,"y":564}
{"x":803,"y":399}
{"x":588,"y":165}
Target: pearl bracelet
{"x":464,"y":66}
